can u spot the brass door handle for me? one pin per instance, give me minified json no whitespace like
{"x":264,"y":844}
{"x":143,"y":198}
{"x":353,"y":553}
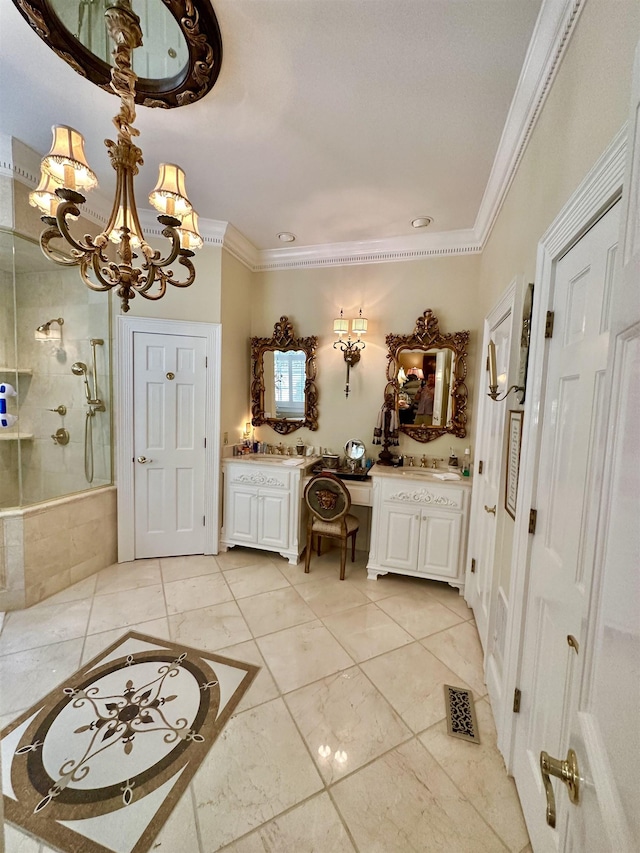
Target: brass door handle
{"x":568,"y":772}
{"x":490,"y":509}
{"x":143,"y":460}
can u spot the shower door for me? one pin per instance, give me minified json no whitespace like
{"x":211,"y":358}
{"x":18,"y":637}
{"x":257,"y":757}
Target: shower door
{"x":169,"y":392}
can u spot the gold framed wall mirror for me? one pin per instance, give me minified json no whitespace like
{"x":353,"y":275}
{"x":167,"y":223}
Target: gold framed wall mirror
{"x":426,"y":374}
{"x":284,"y":395}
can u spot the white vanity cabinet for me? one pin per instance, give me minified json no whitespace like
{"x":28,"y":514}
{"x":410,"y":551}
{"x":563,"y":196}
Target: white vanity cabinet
{"x":419,"y":525}
{"x":262,"y":504}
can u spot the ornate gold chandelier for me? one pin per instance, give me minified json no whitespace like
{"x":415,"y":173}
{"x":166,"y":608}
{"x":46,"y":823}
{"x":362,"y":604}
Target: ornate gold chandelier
{"x":65,"y":171}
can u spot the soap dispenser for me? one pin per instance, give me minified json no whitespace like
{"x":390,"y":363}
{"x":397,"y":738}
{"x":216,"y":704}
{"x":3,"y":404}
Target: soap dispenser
{"x":466,"y":462}
{"x":453,"y":460}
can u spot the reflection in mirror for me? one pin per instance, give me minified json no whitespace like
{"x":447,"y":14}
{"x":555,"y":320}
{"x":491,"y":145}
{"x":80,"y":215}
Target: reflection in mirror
{"x":354,"y":449}
{"x":284,"y":376}
{"x":425,"y":382}
{"x":164,"y":50}
{"x":425,"y":379}
{"x":283,"y":389}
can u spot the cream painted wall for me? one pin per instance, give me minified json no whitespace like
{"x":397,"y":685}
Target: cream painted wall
{"x":199,"y":302}
{"x":392,"y":296}
{"x":238,"y":286}
{"x":586,"y":107}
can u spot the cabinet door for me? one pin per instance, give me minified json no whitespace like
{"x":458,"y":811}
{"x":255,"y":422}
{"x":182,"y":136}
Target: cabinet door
{"x":242,"y":508}
{"x":398,"y":537}
{"x":273,"y":524}
{"x":439,"y":543}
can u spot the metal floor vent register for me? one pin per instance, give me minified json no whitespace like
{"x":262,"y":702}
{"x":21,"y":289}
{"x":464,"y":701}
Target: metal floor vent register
{"x":461,"y":714}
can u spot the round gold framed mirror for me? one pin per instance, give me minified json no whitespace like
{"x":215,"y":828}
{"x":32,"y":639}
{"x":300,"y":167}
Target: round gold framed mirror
{"x":177,"y":64}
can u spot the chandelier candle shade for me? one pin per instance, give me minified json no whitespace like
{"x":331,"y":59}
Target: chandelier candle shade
{"x":65,"y":172}
{"x":350,"y":349}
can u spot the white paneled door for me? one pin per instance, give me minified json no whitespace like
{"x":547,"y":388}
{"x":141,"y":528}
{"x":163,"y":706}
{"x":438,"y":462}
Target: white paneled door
{"x":563,"y":547}
{"x":480,"y":580}
{"x":169,"y":389}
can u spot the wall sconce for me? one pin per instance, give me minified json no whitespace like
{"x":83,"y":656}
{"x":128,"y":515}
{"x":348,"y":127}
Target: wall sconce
{"x":350,"y":348}
{"x":493,"y":377}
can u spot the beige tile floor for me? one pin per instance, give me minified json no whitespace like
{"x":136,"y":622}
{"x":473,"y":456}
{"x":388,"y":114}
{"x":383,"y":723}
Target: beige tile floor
{"x":339,"y":745}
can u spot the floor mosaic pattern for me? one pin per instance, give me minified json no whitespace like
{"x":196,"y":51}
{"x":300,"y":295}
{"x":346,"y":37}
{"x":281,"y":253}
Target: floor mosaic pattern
{"x":99,"y":763}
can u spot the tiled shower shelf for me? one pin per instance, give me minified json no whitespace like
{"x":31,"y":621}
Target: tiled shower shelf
{"x":14,"y":436}
{"x":27,"y":371}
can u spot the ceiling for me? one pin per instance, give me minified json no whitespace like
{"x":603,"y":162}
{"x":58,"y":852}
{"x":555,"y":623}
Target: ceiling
{"x":337,"y":120}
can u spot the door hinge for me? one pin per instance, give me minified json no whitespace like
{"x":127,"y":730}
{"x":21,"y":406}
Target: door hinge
{"x":533,"y":520}
{"x":480,"y":466}
{"x":206,"y":361}
{"x":517,"y":696}
{"x":205,"y":441}
{"x":204,"y":520}
{"x":473,"y":565}
{"x":548,"y":326}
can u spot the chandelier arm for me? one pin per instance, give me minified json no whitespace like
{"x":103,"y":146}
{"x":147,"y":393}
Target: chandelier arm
{"x":54,"y":254}
{"x":94,"y":260}
{"x":69,"y":208}
{"x":156,"y":261}
{"x":131,"y":201}
{"x":185,"y":262}
{"x":162,"y":289}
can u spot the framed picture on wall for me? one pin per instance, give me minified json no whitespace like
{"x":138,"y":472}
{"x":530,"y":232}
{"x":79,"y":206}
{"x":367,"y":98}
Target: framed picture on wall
{"x":513,"y":460}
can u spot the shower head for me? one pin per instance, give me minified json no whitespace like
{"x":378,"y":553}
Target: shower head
{"x":46,"y":326}
{"x":79,"y":368}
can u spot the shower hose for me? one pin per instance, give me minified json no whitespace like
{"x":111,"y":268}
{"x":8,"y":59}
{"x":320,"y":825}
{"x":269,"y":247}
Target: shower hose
{"x":88,"y":445}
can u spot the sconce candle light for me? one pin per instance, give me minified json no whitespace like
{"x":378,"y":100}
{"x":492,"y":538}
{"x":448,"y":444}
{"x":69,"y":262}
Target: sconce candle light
{"x":350,"y":348}
{"x":493,"y":377}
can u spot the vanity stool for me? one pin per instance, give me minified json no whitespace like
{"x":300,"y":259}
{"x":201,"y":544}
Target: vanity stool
{"x":328,"y":501}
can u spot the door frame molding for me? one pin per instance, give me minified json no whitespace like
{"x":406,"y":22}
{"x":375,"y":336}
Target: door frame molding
{"x":126,"y":327}
{"x":599,"y":190}
{"x":508,"y":306}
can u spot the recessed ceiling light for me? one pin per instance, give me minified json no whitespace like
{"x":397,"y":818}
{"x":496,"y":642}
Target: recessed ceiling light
{"x":421,"y":221}
{"x":286,"y":236}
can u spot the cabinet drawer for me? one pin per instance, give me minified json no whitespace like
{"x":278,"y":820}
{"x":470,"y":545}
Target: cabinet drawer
{"x":428,"y":494}
{"x":244,"y":475}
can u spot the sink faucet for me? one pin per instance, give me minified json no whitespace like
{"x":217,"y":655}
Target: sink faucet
{"x":434,"y":462}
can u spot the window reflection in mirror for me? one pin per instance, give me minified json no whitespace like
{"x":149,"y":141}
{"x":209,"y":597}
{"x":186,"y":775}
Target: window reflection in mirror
{"x":284,"y":378}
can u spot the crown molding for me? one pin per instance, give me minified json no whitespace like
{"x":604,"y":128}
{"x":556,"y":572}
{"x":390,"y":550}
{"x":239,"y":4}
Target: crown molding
{"x":410,"y":248}
{"x":556,"y":22}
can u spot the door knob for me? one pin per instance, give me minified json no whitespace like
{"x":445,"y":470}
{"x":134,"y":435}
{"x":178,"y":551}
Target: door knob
{"x":143,"y":460}
{"x":568,"y":772}
{"x":490,"y":509}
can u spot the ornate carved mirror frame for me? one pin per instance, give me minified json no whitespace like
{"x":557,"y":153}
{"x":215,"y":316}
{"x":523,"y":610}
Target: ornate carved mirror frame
{"x":199,"y":27}
{"x":427,"y":337}
{"x":284,"y":340}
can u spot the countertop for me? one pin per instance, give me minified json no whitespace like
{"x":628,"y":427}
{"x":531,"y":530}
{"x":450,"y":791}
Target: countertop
{"x":432,"y":475}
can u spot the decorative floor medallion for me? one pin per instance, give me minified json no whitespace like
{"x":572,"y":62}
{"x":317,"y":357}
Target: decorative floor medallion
{"x":98,"y":764}
{"x":461,"y":714}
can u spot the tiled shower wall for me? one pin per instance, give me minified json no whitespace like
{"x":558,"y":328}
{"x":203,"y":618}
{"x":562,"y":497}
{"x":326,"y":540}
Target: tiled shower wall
{"x":8,"y":449}
{"x":48,"y":469}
